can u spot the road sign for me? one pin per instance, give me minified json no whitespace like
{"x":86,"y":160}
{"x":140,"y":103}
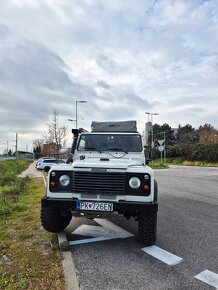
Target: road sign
{"x":161,"y":148}
{"x":161,"y":142}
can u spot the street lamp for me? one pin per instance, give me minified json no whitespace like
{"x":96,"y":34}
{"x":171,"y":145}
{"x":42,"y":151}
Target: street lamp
{"x":71,"y":120}
{"x":76,"y":110}
{"x":152,"y":137}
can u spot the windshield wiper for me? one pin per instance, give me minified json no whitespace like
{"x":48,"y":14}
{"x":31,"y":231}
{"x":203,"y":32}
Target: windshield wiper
{"x":91,"y":148}
{"x":104,"y":150}
{"x":116,"y":149}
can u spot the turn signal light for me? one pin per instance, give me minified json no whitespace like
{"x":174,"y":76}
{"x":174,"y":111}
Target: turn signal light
{"x":52,"y":184}
{"x":146,"y":187}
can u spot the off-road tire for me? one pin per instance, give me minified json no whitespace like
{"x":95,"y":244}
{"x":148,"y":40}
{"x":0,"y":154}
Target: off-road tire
{"x":155,"y":190}
{"x":147,"y":228}
{"x":55,"y":220}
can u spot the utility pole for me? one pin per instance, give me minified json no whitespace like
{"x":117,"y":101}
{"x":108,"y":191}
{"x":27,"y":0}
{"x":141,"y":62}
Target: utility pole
{"x":16,"y":153}
{"x":152,"y":137}
{"x":165,"y":151}
{"x":152,"y":133}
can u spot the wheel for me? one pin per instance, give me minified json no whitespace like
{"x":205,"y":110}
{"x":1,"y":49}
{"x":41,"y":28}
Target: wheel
{"x":147,"y":228}
{"x":155,"y":190}
{"x":55,"y":220}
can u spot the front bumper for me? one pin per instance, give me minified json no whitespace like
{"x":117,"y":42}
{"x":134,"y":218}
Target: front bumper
{"x":117,"y":206}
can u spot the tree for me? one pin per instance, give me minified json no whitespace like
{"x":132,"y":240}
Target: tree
{"x":56,"y":134}
{"x":187,"y":134}
{"x":207,"y":134}
{"x":37,"y":147}
{"x":160,"y":131}
{"x":37,"y":151}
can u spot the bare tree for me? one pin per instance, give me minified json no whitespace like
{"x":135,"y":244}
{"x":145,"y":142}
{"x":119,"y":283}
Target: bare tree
{"x":207,"y":133}
{"x":37,"y":147}
{"x":56,"y":133}
{"x":38,"y":143}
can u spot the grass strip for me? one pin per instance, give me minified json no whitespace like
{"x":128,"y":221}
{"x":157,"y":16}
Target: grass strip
{"x":182,"y":161}
{"x":29,"y":256}
{"x":157,"y":164}
{"x":11,"y":186}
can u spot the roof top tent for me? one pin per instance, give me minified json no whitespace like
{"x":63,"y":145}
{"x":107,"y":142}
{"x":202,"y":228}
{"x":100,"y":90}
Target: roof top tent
{"x":120,"y":126}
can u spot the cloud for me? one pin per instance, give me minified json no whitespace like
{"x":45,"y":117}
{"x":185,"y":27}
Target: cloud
{"x":107,"y":64}
{"x":102,"y":84}
{"x":159,"y":56}
{"x":34,"y":81}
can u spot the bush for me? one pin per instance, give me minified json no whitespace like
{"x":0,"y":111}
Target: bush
{"x":194,"y":152}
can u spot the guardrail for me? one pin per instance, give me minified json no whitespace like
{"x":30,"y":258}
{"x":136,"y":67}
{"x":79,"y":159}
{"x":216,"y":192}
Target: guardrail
{"x":14,"y":158}
{"x":7,"y":158}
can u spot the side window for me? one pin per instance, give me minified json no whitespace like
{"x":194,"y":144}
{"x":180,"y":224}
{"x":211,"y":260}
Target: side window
{"x":81,"y":145}
{"x":86,"y":142}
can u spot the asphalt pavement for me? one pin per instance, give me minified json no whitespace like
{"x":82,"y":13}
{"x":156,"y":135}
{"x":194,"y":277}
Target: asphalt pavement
{"x":107,"y":254}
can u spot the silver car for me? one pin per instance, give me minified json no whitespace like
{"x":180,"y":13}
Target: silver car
{"x":47,"y":163}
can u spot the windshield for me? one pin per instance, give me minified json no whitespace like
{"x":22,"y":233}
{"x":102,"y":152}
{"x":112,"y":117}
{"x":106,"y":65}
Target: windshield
{"x":110,"y":142}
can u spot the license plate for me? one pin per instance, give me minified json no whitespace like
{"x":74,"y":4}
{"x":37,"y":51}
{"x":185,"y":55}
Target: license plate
{"x":94,"y":206}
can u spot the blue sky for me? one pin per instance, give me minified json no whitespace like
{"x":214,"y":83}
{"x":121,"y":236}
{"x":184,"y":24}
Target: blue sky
{"x":123,"y":57}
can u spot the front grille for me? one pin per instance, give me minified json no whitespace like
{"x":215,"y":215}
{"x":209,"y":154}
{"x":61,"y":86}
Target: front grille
{"x":103,"y":183}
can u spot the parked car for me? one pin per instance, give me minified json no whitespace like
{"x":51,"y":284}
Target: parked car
{"x":41,"y":158}
{"x":117,"y":180}
{"x":47,"y":163}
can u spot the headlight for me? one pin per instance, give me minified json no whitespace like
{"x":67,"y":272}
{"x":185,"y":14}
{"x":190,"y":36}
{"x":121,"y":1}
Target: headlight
{"x":64,"y":180}
{"x":134,"y":182}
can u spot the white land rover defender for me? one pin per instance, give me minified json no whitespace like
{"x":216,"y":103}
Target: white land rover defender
{"x":106,"y":173}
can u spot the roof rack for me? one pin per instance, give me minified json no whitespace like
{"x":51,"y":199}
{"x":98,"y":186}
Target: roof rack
{"x":120,"y":126}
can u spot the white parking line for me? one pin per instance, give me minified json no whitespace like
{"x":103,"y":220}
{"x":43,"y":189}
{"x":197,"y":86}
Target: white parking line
{"x":91,"y":240}
{"x":160,"y":254}
{"x":208,"y":277}
{"x":106,"y":231}
{"x":116,"y":229}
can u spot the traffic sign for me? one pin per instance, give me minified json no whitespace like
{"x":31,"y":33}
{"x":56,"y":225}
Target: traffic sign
{"x":161,"y":148}
{"x":161,"y":142}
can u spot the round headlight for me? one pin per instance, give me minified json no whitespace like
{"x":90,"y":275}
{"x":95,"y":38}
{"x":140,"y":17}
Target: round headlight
{"x":64,"y":180}
{"x":134,"y":182}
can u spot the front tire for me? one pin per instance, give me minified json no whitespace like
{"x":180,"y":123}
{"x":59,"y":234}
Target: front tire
{"x":147,"y":228}
{"x":55,"y":220}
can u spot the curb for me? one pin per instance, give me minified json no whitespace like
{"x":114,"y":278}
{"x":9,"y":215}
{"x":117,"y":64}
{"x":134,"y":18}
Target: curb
{"x":67,"y":263}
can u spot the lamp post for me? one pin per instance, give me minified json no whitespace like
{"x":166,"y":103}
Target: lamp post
{"x":71,"y":120}
{"x":76,"y":110}
{"x":152,"y":137}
